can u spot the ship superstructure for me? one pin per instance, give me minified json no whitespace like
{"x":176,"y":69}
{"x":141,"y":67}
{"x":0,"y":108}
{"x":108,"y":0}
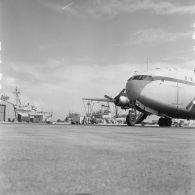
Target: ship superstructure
{"x":28,"y":112}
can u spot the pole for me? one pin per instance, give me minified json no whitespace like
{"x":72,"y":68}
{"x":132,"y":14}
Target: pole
{"x":147,"y":63}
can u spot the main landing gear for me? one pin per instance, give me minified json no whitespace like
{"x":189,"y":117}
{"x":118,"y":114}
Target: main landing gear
{"x":165,"y":122}
{"x":135,"y":117}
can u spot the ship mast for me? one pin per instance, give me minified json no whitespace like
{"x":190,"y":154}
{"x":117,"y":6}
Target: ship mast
{"x":17,"y":96}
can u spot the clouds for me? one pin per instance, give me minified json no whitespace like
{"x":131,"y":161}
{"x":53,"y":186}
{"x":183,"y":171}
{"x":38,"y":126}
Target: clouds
{"x":163,"y":7}
{"x":155,"y":36}
{"x":100,"y":8}
{"x":43,"y":34}
{"x":151,"y":6}
{"x":62,"y":89}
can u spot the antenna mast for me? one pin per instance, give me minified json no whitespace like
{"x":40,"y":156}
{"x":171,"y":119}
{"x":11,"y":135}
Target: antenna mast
{"x":17,"y":96}
{"x":147,"y":63}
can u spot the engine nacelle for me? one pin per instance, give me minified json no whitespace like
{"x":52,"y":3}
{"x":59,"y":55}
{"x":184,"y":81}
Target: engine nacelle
{"x":123,"y":100}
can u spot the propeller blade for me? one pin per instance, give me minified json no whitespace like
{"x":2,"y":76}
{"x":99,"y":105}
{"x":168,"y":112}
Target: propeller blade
{"x":122,"y":91}
{"x":110,"y":98}
{"x":116,"y":99}
{"x":119,"y":94}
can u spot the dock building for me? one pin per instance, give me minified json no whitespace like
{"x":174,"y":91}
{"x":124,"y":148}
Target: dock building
{"x":7,"y":111}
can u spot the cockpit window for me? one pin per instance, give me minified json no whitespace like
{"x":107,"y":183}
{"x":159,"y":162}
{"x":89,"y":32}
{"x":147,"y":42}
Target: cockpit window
{"x":141,"y":77}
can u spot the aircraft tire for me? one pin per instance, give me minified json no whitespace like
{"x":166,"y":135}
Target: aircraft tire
{"x":168,"y":122}
{"x":160,"y":122}
{"x":130,"y":120}
{"x":165,"y":122}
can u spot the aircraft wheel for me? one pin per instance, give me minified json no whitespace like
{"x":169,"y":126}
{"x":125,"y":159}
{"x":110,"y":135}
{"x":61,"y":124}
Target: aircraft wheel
{"x":130,"y":119}
{"x":161,"y":122}
{"x":165,"y":122}
{"x":168,"y":122}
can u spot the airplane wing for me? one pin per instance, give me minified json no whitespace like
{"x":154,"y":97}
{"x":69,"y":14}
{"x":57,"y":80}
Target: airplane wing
{"x":98,"y":99}
{"x":107,"y":98}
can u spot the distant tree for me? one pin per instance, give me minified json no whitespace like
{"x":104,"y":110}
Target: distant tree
{"x":59,"y":120}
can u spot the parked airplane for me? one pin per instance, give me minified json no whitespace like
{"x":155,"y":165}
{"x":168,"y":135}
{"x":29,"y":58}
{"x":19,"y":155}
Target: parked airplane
{"x":168,"y":93}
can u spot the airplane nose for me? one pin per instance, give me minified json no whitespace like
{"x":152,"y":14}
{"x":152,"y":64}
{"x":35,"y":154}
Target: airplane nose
{"x":134,"y":89}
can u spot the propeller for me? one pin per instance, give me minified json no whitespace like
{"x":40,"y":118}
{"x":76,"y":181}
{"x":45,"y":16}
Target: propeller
{"x":115,"y":100}
{"x":109,"y":98}
{"x":122,"y":91}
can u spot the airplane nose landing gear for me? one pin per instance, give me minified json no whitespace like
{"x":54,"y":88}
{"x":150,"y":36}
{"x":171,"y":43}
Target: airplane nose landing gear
{"x":131,"y":118}
{"x":165,"y":122}
{"x":135,"y":117}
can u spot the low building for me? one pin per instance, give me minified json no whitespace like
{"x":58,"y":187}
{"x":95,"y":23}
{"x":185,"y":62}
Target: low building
{"x":7,"y":111}
{"x":26,"y":114}
{"x":22,"y":117}
{"x":36,"y":118}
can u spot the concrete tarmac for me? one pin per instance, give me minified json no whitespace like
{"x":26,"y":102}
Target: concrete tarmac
{"x":90,"y":160}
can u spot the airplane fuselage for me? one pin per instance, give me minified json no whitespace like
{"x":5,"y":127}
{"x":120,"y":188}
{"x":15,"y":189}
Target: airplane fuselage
{"x":165,"y":92}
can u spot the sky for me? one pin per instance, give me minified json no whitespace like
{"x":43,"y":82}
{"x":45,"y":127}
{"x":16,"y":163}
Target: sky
{"x":58,"y":51}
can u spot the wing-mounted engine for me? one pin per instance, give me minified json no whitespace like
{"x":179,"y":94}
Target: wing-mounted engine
{"x":120,"y":100}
